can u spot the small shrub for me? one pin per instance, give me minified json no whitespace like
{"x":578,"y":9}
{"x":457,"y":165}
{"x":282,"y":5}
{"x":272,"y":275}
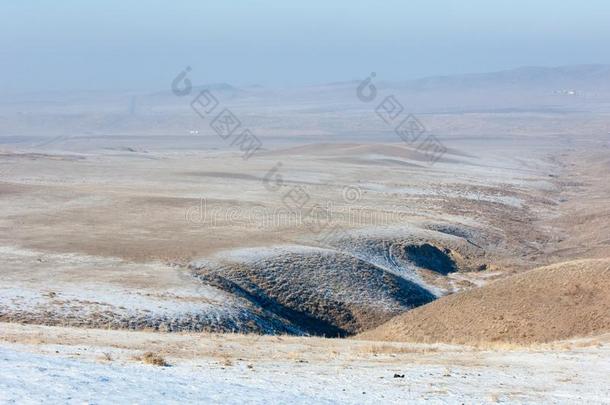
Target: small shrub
{"x":154,"y":359}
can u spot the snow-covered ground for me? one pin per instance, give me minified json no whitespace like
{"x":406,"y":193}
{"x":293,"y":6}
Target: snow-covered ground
{"x":31,"y":378}
{"x":291,"y":370}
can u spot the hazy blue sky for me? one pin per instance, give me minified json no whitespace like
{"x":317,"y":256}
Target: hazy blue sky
{"x":123,"y":44}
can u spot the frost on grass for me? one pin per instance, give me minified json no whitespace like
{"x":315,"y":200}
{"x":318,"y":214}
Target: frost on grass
{"x":321,"y":292}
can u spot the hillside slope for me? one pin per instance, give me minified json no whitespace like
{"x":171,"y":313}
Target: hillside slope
{"x":318,"y":291}
{"x":542,"y":305}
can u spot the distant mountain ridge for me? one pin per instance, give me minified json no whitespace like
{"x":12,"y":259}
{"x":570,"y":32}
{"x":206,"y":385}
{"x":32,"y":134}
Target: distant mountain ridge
{"x":583,"y":76}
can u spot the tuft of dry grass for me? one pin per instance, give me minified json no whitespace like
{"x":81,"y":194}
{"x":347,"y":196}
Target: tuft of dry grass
{"x":226,"y":361}
{"x":494,"y":397}
{"x":378,"y":349}
{"x":106,"y":356}
{"x":153,"y":359}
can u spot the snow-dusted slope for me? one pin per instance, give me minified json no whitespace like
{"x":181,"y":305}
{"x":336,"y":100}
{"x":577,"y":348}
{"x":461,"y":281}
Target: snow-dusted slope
{"x":509,"y":377}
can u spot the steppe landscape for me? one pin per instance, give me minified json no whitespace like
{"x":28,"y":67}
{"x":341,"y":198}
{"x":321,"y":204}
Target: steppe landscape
{"x":466,"y":261}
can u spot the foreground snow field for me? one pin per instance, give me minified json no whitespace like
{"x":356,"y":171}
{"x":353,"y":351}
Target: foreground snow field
{"x":302,"y":370}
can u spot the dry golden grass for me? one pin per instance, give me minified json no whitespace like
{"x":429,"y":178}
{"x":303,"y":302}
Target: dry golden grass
{"x":376,"y":349}
{"x":106,"y":357}
{"x":226,"y":361}
{"x":548,"y":304}
{"x":153,"y":359}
